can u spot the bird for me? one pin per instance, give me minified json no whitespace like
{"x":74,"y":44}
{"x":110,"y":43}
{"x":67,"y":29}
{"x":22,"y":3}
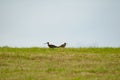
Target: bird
{"x":62,"y":45}
{"x":51,"y":46}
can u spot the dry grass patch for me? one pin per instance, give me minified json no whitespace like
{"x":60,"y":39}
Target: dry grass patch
{"x":60,"y":64}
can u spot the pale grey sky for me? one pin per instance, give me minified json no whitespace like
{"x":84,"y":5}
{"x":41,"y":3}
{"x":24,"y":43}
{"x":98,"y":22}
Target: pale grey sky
{"x":28,"y":23}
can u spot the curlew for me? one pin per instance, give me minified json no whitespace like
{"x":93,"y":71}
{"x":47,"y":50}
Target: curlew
{"x":62,"y":45}
{"x":51,"y":46}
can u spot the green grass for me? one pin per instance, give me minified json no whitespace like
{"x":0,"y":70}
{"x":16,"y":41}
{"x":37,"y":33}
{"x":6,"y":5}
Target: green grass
{"x":60,"y":64}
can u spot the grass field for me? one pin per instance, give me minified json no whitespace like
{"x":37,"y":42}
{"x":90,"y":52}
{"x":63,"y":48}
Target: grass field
{"x":59,"y":64}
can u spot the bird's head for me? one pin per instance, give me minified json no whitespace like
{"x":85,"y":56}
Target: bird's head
{"x":65,"y":43}
{"x":47,"y":43}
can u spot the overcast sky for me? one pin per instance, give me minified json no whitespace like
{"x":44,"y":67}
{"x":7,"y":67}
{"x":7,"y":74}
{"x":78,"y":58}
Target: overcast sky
{"x":28,"y":23}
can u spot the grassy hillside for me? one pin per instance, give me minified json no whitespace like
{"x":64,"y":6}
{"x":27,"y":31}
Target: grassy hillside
{"x":60,"y":64}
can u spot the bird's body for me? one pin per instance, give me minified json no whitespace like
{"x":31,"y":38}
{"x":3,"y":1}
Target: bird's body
{"x":51,"y":46}
{"x":62,"y":45}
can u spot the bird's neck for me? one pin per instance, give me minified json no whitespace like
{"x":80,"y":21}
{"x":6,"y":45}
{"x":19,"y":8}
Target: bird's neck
{"x":48,"y":43}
